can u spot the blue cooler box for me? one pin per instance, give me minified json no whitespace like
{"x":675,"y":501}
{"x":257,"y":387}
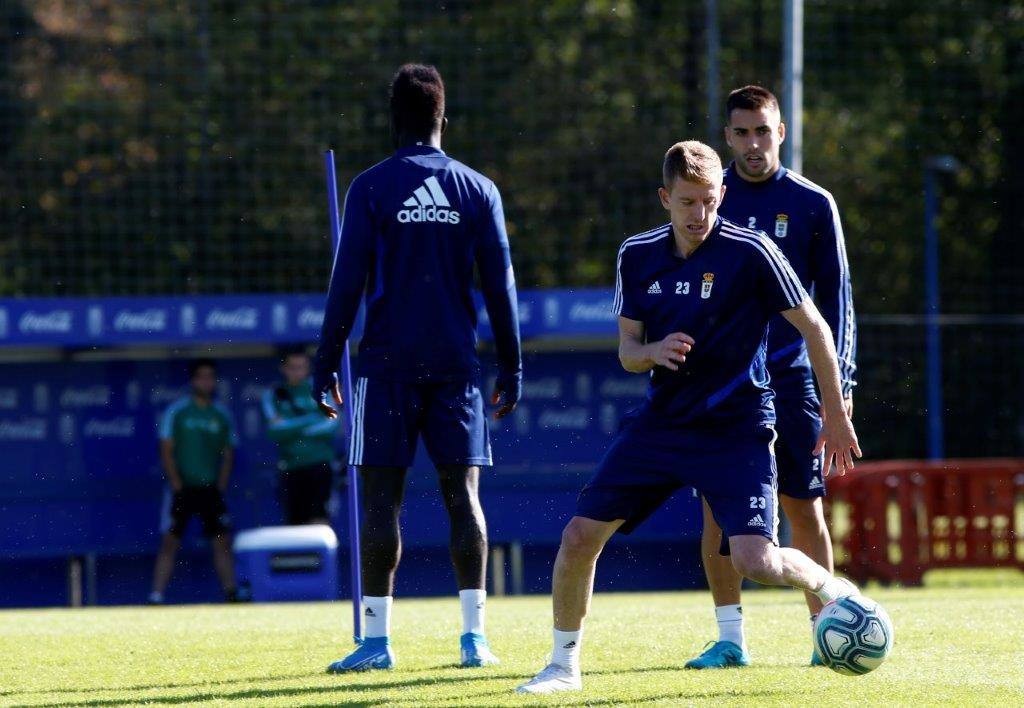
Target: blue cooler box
{"x":283,"y":563}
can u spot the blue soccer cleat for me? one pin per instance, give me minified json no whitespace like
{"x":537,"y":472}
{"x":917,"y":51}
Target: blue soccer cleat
{"x":372,"y":653}
{"x":719,"y":655}
{"x":475,"y":651}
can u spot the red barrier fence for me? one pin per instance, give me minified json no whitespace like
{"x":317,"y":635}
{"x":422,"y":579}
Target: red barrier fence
{"x":893,"y":521}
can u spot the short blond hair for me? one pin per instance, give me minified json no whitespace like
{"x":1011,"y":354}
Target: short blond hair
{"x":694,"y":162}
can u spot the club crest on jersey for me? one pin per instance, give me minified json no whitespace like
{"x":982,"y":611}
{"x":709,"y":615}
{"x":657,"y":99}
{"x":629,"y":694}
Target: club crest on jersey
{"x":706,"y":284}
{"x":655,"y":288}
{"x":781,"y":225}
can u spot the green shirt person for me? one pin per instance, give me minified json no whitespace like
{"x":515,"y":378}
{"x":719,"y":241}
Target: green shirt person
{"x":305,"y":441}
{"x":197,"y":441}
{"x":199,"y":437}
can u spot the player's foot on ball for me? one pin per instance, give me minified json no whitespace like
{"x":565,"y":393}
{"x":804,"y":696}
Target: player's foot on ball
{"x":720,"y":655}
{"x":553,"y":679}
{"x":372,"y":653}
{"x":475,"y":651}
{"x":816,"y":659}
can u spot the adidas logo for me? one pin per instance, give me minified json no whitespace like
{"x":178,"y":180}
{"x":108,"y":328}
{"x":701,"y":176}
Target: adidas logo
{"x":428,"y":203}
{"x":815,"y":483}
{"x":655,"y":288}
{"x":756,"y":521}
{"x":370,"y":613}
{"x":570,"y":645}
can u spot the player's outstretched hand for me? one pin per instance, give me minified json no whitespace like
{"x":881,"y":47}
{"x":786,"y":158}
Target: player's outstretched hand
{"x":326,"y":408}
{"x":672,"y":350}
{"x":507,"y":389}
{"x":838,"y":440}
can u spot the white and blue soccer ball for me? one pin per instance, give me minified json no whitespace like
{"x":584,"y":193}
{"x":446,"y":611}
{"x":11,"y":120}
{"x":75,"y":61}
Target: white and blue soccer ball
{"x":853,"y":635}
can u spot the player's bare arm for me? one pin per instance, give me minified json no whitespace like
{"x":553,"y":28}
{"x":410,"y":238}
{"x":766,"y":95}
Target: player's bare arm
{"x":170,"y":466}
{"x":638,"y":356}
{"x":838,"y":439}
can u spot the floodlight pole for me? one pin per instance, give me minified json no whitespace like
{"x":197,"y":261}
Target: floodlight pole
{"x":933,"y":166}
{"x":793,"y":83}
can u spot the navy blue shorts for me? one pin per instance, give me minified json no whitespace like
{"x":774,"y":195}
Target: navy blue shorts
{"x":646,"y":464}
{"x":390,"y":416}
{"x":798,"y":425}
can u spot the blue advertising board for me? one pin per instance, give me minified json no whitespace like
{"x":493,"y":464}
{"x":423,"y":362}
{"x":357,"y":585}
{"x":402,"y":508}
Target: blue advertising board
{"x":239,"y":319}
{"x":81,"y":473}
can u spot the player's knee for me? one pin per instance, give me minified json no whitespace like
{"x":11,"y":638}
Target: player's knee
{"x":806,"y":515}
{"x":579,"y":541}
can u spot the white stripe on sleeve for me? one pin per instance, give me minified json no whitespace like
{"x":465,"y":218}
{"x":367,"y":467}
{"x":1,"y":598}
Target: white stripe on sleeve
{"x":787,"y":279}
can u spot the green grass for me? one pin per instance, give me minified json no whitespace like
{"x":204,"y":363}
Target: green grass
{"x":954,"y":646}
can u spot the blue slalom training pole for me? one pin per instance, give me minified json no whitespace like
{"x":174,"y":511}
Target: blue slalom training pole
{"x":346,"y":416}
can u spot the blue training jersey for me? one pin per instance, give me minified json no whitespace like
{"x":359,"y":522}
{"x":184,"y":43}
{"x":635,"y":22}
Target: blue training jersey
{"x":801,"y":219}
{"x":414,"y":227}
{"x":723,"y":295}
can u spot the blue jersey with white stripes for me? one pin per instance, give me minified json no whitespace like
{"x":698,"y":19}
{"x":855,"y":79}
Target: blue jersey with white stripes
{"x":723,"y":295}
{"x":801,"y":219}
{"x":414,"y":227}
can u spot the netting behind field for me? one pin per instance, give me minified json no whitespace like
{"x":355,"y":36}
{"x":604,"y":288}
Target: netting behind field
{"x":983,"y":374}
{"x":174,"y":147}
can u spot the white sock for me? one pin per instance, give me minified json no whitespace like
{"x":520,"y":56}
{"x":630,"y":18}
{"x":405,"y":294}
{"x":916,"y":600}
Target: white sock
{"x":473,"y":602}
{"x":377,"y":616}
{"x":566,"y":652}
{"x":730,"y":625}
{"x":830,"y":589}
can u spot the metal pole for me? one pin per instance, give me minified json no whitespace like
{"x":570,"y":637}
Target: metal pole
{"x":75,"y":581}
{"x":497,"y":571}
{"x":346,"y":416}
{"x":712,"y":80}
{"x":515,"y":562}
{"x":793,"y":83}
{"x":933,"y":334}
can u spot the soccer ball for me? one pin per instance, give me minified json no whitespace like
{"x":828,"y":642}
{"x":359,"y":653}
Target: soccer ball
{"x":853,"y":635}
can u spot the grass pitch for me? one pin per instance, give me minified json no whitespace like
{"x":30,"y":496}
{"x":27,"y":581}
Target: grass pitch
{"x":954,"y":646}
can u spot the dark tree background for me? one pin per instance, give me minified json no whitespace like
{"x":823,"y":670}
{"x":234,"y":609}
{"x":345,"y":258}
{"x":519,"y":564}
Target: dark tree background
{"x":174,"y":146}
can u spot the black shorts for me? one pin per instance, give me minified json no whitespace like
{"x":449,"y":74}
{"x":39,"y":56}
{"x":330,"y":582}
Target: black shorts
{"x":205,"y":502}
{"x":306,"y":492}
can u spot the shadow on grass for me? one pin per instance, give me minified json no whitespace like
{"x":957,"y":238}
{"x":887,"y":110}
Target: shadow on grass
{"x":255,"y":693}
{"x":462,"y":678}
{"x":581,"y":698}
{"x":155,"y":686}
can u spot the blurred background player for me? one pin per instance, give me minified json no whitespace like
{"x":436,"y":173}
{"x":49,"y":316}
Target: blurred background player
{"x":197,"y":440}
{"x":305,"y":441}
{"x":801,"y":218}
{"x":694,"y":299}
{"x":413,"y":227}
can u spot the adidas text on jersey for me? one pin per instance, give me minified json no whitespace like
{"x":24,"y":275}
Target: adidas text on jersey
{"x":428,"y":203}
